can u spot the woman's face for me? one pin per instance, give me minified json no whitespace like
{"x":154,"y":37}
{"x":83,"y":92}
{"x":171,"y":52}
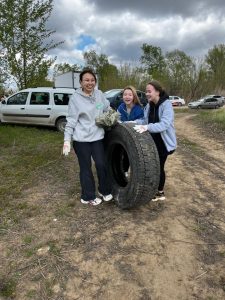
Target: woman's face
{"x":151,"y":93}
{"x":128,"y":97}
{"x":88,"y":83}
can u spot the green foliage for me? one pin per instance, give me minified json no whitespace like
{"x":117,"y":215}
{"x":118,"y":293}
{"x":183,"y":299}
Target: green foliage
{"x":26,"y":40}
{"x":179,"y":70}
{"x":215,"y":60}
{"x":153,"y":60}
{"x":107,"y":72}
{"x":213,"y":117}
{"x":65,"y":67}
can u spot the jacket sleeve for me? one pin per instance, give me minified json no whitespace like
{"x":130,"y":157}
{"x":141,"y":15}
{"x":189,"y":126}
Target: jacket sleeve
{"x":71,"y":119}
{"x":144,"y":118}
{"x":105,"y":102}
{"x":166,"y":119}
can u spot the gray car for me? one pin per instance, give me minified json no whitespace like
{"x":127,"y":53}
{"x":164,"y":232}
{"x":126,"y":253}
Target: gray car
{"x":206,"y":103}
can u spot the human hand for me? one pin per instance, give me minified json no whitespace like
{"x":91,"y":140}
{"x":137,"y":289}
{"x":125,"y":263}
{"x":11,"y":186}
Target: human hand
{"x":141,"y":128}
{"x":66,"y":148}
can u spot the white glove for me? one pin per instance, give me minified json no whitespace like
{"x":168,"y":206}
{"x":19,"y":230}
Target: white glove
{"x":141,"y":128}
{"x":66,"y":148}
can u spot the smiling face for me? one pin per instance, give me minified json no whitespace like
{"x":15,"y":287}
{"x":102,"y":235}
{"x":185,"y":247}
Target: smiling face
{"x":152,"y":94}
{"x":88,"y":83}
{"x":128,"y":97}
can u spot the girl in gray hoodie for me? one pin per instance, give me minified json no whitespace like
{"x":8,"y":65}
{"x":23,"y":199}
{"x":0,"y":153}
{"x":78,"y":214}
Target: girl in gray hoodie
{"x":85,"y":105}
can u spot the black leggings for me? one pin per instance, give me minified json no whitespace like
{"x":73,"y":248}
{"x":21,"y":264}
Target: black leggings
{"x":162,"y":160}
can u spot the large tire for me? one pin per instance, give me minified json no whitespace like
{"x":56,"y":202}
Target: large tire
{"x":140,"y":187}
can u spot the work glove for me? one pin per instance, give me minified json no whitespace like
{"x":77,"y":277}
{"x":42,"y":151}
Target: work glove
{"x":66,"y":148}
{"x":141,"y":128}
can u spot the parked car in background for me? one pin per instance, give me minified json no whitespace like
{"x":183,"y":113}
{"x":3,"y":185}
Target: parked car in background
{"x":176,"y":101}
{"x":222,"y":98}
{"x":115,"y":97}
{"x":209,"y":102}
{"x":37,"y":106}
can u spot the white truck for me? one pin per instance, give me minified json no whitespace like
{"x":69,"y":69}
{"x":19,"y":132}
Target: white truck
{"x":69,"y":80}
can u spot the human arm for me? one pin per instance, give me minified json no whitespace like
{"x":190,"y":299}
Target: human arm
{"x":72,"y":119}
{"x":166,"y":119}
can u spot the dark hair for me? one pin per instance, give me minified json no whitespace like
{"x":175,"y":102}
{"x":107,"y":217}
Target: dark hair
{"x":85,"y":71}
{"x":158,"y":87}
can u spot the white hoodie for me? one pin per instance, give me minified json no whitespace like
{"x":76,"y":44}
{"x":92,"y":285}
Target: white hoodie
{"x":82,"y":111}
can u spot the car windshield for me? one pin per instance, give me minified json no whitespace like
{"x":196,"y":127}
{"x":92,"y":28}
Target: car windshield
{"x":111,"y":93}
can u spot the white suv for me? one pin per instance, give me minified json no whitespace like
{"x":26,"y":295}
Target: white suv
{"x":38,"y":106}
{"x":176,"y":101}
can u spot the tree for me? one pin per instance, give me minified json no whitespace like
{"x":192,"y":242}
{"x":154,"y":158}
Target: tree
{"x":178,"y":66}
{"x":215,"y":60}
{"x":65,"y":67}
{"x":3,"y":69}
{"x":26,"y":40}
{"x":107,"y":72}
{"x":153,"y":60}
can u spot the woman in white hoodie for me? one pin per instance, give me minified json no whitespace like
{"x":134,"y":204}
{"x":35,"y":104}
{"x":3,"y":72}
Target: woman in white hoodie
{"x":85,"y":105}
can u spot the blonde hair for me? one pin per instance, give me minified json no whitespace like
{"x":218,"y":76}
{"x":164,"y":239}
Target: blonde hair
{"x":134,"y":92}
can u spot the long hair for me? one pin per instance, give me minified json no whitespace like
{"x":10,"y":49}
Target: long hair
{"x":158,"y":87}
{"x":134,"y":92}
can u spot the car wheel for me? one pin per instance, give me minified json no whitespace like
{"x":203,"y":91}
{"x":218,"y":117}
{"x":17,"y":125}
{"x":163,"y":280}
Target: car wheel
{"x":179,"y":104}
{"x":137,"y":184}
{"x":60,"y":124}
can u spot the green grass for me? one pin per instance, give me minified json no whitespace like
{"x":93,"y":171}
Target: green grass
{"x":24,"y":151}
{"x":216,"y":117}
{"x":179,"y":110}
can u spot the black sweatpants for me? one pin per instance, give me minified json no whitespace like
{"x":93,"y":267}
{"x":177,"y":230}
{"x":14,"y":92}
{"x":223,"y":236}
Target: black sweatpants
{"x":85,"y":151}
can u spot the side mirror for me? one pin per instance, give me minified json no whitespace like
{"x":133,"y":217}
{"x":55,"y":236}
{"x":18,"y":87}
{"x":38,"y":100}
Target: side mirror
{"x":3,"y":102}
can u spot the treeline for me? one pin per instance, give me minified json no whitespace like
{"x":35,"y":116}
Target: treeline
{"x":25,"y":41}
{"x":181,"y":74}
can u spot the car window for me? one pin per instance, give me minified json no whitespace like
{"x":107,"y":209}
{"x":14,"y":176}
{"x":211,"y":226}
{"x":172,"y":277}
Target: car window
{"x":210,"y":100}
{"x":61,"y":98}
{"x":18,"y":99}
{"x":39,"y":98}
{"x":111,"y":93}
{"x":177,"y":98}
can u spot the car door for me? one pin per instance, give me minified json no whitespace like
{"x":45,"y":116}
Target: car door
{"x":39,"y":108}
{"x":14,"y":109}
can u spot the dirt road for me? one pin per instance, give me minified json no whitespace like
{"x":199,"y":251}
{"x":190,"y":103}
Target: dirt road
{"x":172,"y":250}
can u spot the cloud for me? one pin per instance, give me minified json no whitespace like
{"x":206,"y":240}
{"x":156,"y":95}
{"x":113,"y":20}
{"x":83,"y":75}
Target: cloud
{"x":119,"y":28}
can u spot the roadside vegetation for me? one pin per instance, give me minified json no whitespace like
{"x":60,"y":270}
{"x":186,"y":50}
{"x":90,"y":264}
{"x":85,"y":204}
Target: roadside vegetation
{"x":23,"y":152}
{"x":213,"y":117}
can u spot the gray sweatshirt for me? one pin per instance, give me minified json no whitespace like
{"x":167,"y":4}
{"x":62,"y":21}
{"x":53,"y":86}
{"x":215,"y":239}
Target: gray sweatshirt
{"x":82,"y":111}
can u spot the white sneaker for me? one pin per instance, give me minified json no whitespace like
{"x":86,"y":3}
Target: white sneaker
{"x":106,"y":197}
{"x":94,"y":202}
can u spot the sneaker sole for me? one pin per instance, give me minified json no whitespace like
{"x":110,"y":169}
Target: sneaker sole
{"x":89,"y":202}
{"x":100,"y":195}
{"x":158,"y":199}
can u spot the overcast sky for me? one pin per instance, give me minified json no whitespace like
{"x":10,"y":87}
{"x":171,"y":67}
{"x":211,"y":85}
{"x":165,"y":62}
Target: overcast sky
{"x":118,"y":28}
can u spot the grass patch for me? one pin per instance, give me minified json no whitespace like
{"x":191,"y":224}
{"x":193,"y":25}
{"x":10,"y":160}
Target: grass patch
{"x":179,"y":110}
{"x":23,"y":152}
{"x":216,"y":117}
{"x":189,"y":144}
{"x":8,"y":288}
